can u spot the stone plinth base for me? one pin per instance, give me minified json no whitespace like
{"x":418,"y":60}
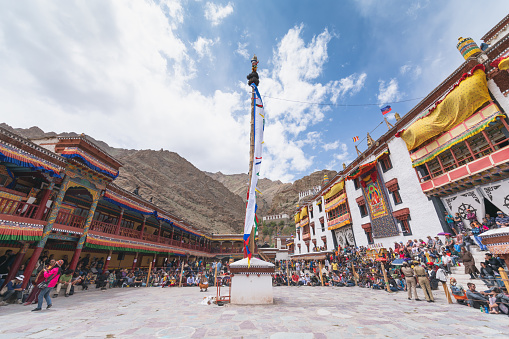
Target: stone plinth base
{"x":253,"y":285}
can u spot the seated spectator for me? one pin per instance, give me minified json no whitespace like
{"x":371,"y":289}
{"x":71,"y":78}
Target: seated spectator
{"x":64,"y":280}
{"x":487,"y":275}
{"x":501,"y":220}
{"x":502,"y":300}
{"x":456,"y":288}
{"x":475,"y":298}
{"x":138,"y":281}
{"x":190,"y":281}
{"x":13,"y":288}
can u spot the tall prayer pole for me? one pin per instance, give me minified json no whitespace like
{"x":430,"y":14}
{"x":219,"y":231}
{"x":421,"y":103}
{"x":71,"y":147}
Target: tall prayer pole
{"x":252,"y":78}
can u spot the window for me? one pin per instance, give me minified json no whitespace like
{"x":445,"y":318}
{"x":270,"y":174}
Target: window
{"x":405,"y":226}
{"x":322,"y":224}
{"x":369,"y":235}
{"x":363,"y":210}
{"x":356,"y":183}
{"x":385,"y":163}
{"x":311,"y":214}
{"x":320,"y":208}
{"x":396,"y":197}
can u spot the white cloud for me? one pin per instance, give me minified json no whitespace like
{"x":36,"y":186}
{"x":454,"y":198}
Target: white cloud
{"x":351,"y":84}
{"x":339,"y":158}
{"x":413,"y":71}
{"x":242,"y":50}
{"x":118,"y":72}
{"x":297,"y":65}
{"x":217,"y":13}
{"x":388,"y":92}
{"x":331,"y":146}
{"x":202,"y":46}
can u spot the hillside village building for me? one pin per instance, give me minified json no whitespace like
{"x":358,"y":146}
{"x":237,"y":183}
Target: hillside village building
{"x":59,"y":195}
{"x":448,"y":154}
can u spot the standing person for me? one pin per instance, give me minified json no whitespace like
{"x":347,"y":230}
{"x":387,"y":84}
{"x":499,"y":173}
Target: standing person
{"x":410,"y":281}
{"x":51,"y":276}
{"x":422,"y":278}
{"x":469,"y":263}
{"x":449,"y":219}
{"x":459,"y":223}
{"x":471,"y":216}
{"x":34,"y":294}
{"x":476,"y":231}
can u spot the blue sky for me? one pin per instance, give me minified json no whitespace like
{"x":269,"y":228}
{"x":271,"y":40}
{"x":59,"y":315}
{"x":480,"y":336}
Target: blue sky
{"x":171,"y":74}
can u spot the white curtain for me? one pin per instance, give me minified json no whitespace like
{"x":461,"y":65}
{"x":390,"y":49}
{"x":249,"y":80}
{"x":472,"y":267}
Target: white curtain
{"x":461,"y":201}
{"x":498,"y":194}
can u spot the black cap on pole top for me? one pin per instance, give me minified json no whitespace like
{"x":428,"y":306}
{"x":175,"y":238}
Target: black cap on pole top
{"x":252,"y":77}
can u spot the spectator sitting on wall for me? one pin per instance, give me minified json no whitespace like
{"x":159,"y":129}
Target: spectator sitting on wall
{"x":476,"y":299}
{"x":13,"y":288}
{"x":502,"y":220}
{"x":64,"y":280}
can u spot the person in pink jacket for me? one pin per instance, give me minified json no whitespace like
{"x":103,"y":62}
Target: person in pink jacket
{"x":51,"y":276}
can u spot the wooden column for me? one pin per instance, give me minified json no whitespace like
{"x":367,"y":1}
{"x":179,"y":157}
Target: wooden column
{"x":143,"y":226}
{"x":17,"y":263}
{"x":44,"y":200}
{"x":88,"y":221}
{"x":117,"y":231}
{"x":181,"y":274}
{"x":503,"y":275}
{"x":446,"y":291}
{"x":386,"y":280}
{"x":108,"y":258}
{"x":135,"y":260}
{"x":47,"y":230}
{"x":159,"y":234}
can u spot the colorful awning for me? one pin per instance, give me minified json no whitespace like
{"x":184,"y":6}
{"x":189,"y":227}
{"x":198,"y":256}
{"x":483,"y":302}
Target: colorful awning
{"x":297,"y":218}
{"x":89,"y":161}
{"x":126,"y":203}
{"x":466,"y":97}
{"x":361,"y":170}
{"x":338,"y":187}
{"x":14,"y":155}
{"x":16,"y":231}
{"x":106,"y":243}
{"x":341,"y":199}
{"x":473,"y":125}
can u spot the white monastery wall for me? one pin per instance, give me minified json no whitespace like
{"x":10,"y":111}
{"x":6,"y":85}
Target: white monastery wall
{"x":423,"y":217}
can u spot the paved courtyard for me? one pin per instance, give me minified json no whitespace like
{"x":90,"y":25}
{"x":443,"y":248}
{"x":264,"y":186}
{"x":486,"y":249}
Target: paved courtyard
{"x":298,"y":312}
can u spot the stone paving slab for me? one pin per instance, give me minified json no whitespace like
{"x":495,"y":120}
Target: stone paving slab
{"x":298,"y":312}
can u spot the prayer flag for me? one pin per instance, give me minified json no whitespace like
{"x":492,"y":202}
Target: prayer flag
{"x":259,"y":124}
{"x":355,"y":139}
{"x":386,"y":109}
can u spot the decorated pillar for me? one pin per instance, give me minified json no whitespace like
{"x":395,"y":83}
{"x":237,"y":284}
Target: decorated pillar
{"x":44,"y":200}
{"x":47,"y":230}
{"x":105,"y":268}
{"x":117,"y":231}
{"x":159,"y":234}
{"x":95,"y":199}
{"x":135,"y":260}
{"x":143,"y":226}
{"x":17,"y":262}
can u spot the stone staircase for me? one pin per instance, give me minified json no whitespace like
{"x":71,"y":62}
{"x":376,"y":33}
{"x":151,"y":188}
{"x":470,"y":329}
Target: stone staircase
{"x":458,"y":272}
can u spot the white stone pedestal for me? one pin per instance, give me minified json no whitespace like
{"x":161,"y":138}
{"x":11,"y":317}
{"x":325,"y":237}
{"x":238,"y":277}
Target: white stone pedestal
{"x":253,"y":285}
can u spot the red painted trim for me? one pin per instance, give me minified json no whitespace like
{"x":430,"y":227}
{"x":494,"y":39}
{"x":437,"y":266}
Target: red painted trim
{"x":479,"y":165}
{"x":501,"y":155}
{"x":441,"y":180}
{"x":21,"y":219}
{"x":427,"y":185}
{"x":458,"y":173}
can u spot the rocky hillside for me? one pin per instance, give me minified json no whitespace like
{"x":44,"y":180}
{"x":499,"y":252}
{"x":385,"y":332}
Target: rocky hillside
{"x":277,"y":197}
{"x":174,"y":184}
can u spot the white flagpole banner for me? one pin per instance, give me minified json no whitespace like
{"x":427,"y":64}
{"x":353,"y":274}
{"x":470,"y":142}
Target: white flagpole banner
{"x":259,"y":125}
{"x":498,"y":194}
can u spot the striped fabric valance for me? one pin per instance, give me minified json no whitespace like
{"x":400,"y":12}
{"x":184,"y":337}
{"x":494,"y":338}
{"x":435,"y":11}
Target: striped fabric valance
{"x":14,"y":231}
{"x":335,"y":202}
{"x":90,"y":161}
{"x":105,"y":243}
{"x":340,"y":221}
{"x":473,"y":125}
{"x":127,"y":203}
{"x":14,"y":155}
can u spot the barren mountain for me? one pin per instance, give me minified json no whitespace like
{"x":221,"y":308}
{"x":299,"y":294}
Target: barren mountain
{"x":174,"y":184}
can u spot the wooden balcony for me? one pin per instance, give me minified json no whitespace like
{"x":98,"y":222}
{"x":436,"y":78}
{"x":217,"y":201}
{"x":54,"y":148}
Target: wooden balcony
{"x":306,"y":236}
{"x":18,"y":208}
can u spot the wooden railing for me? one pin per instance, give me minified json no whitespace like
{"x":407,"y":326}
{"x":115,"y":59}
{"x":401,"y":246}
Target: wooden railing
{"x":150,"y":237}
{"x":68,"y":219}
{"x":227,"y":250}
{"x":17,"y":208}
{"x":129,"y":233}
{"x":103,"y":227}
